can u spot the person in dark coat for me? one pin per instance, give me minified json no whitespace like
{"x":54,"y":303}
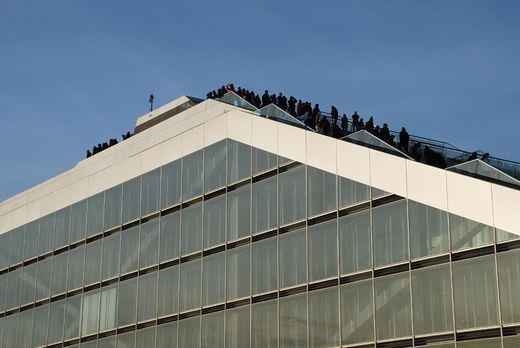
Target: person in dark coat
{"x":385,"y":132}
{"x":272,"y":99}
{"x":369,"y":126}
{"x":404,"y":140}
{"x":355,"y":122}
{"x":292,"y":106}
{"x":334,"y":114}
{"x":299,"y":109}
{"x":265,"y":98}
{"x":344,"y":124}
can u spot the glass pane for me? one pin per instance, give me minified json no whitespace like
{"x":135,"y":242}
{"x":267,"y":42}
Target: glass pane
{"x":355,"y":242}
{"x":56,"y":319}
{"x":61,"y":234}
{"x":28,"y":284}
{"x":352,"y":192}
{"x":264,"y":205}
{"x":46,"y":241}
{"x":126,"y":308}
{"x":145,"y":337}
{"x":113,"y":204}
{"x":239,"y":161}
{"x":189,"y":297}
{"x":32,"y":231}
{"x":237,"y":327}
{"x":189,"y":333}
{"x":107,"y":316}
{"x":390,"y":233}
{"x":59,"y":273}
{"x":147,"y":297}
{"x":168,"y":291}
{"x":78,"y":221}
{"x":512,"y":342}
{"x":16,"y":248}
{"x":376,"y":193}
{"x":291,"y":195}
{"x":428,"y":230}
{"x":192,"y":175}
{"x":213,"y":279}
{"x":3,"y":292}
{"x":357,"y":316}
{"x":293,"y":269}
{"x":324,"y":318}
{"x":149,"y":247}
{"x":171,"y":184}
{"x":466,"y":233}
{"x":191,"y":237}
{"x":293,"y":321}
{"x":264,"y":274}
{"x":431,"y":288}
{"x":393,"y":308}
{"x":131,"y":199}
{"x":264,"y":324}
{"x":40,"y":320}
{"x":509,"y":283}
{"x":129,"y":250}
{"x":239,"y":213}
{"x":107,"y":342}
{"x":167,"y":335}
{"x":5,"y":239}
{"x":283,"y":160}
{"x":323,"y":250}
{"x":25,"y":325}
{"x":169,"y":236}
{"x":90,"y":313}
{"x":89,"y":344}
{"x":43,"y":275}
{"x":321,"y":191}
{"x":501,"y":235}
{"x":475,"y":286}
{"x":215,"y":166}
{"x":95,"y":208}
{"x":75,"y":271}
{"x":151,"y":192}
{"x":237,"y":273}
{"x":485,"y":343}
{"x":263,"y":160}
{"x":11,"y":324}
{"x":126,"y":340}
{"x":72,"y":316}
{"x":215,"y":221}
{"x":93,"y":262}
{"x":212,"y":327}
{"x":111,"y":245}
{"x":13,"y":288}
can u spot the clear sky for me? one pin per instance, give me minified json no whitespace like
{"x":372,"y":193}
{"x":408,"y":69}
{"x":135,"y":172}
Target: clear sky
{"x":77,"y":73}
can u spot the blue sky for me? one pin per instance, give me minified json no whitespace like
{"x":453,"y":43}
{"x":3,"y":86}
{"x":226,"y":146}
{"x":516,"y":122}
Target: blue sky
{"x":76,"y":73}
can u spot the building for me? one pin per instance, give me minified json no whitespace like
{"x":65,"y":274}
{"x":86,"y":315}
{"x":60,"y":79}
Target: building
{"x":215,"y":226}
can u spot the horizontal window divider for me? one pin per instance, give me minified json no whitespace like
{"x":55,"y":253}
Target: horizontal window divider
{"x":169,"y":263}
{"x":265,"y":297}
{"x":238,"y":243}
{"x":322,"y":284}
{"x":148,"y":323}
{"x":45,"y":255}
{"x":478,"y":334}
{"x":77,"y":244}
{"x":170,"y":210}
{"x":403,"y":343}
{"x":26,"y":307}
{"x":71,"y":342}
{"x":506,"y":246}
{"x":213,"y":309}
{"x":292,"y":227}
{"x":351,"y":278}
{"x":132,"y":221}
{"x":264,"y":235}
{"x":292,"y":291}
{"x":322,"y":218}
{"x":189,"y":314}
{"x":42,"y":302}
{"x":4,"y":271}
{"x":167,"y":319}
{"x":91,"y":287}
{"x":468,"y":254}
{"x":190,"y":257}
{"x":431,"y":261}
{"x":107,"y":333}
{"x":112,"y":231}
{"x":61,"y":250}
{"x":214,"y":250}
{"x":150,"y":217}
{"x":74,"y":292}
{"x":94,"y":237}
{"x":238,"y":185}
{"x":58,"y":297}
{"x":511,"y":330}
{"x":265,"y":175}
{"x":386,"y":200}
{"x":12,"y":311}
{"x":357,"y":345}
{"x":391,"y":269}
{"x":352,"y":209}
{"x":429,"y":339}
{"x":108,"y":282}
{"x":149,"y":269}
{"x":288,"y":166}
{"x":130,"y":225}
{"x":127,"y":328}
{"x":15,"y":267}
{"x":55,"y":345}
{"x":191,"y":202}
{"x":216,"y":193}
{"x":238,"y":303}
{"x":89,"y":338}
{"x":127,"y":276}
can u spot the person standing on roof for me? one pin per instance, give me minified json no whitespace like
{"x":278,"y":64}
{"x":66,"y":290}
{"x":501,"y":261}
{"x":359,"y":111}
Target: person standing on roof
{"x":334,"y":114}
{"x":404,"y":140}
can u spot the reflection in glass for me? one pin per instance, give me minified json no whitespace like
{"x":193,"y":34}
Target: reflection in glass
{"x":46,"y":241}
{"x":111,"y":245}
{"x":352,"y":192}
{"x":59,"y":273}
{"x":355,"y":248}
{"x":43,"y":278}
{"x":263,"y":160}
{"x":390,"y":229}
{"x":92,"y":262}
{"x":293,"y":321}
{"x":13,"y":288}
{"x":213,"y":279}
{"x":168,"y":291}
{"x":151,"y":192}
{"x":126,"y":340}
{"x":189,"y":333}
{"x":129,"y":249}
{"x":264,"y":324}
{"x":148,"y":244}
{"x":393,"y":307}
{"x":169,"y":236}
{"x":215,"y":166}
{"x":75,"y":271}
{"x":485,"y":343}
{"x":291,"y":195}
{"x":192,"y":175}
{"x":321,"y":191}
{"x":145,"y":337}
{"x":191,"y":236}
{"x":357,"y":317}
{"x":61,"y":233}
{"x":474,"y":283}
{"x":428,"y":230}
{"x":28,"y":285}
{"x":239,"y":212}
{"x":189,"y":296}
{"x":5,"y":239}
{"x":509,"y":283}
{"x":90,"y":312}
{"x":126,"y":308}
{"x":113,"y":205}
{"x":323,"y":254}
{"x":237,"y":273}
{"x":264,"y":274}
{"x":264,"y":205}
{"x":237,"y":327}
{"x":10,"y":324}
{"x":25,"y":326}
{"x":212,"y":328}
{"x":324,"y":318}
{"x":467,"y":233}
{"x":107,"y":317}
{"x":32,"y":229}
{"x":95,"y":208}
{"x":147,"y":291}
{"x":293,"y":258}
{"x":72,"y":316}
{"x":215,"y":221}
{"x":16,"y":248}
{"x":78,"y":221}
{"x":167,"y":335}
{"x":171,"y":184}
{"x":239,"y":161}
{"x":131,"y":199}
{"x":39,"y":334}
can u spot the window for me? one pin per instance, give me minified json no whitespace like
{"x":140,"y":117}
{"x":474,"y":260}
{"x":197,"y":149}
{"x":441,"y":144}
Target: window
{"x":321,"y":191}
{"x":291,"y":195}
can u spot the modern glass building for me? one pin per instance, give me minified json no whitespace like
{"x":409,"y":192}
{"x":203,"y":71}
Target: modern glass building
{"x":218,"y":227}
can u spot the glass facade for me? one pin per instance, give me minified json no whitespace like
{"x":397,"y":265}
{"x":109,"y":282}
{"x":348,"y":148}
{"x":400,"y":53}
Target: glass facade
{"x":231,"y":246}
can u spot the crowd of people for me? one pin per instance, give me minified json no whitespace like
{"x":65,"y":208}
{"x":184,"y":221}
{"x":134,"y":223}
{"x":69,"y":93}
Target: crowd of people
{"x":103,"y":146}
